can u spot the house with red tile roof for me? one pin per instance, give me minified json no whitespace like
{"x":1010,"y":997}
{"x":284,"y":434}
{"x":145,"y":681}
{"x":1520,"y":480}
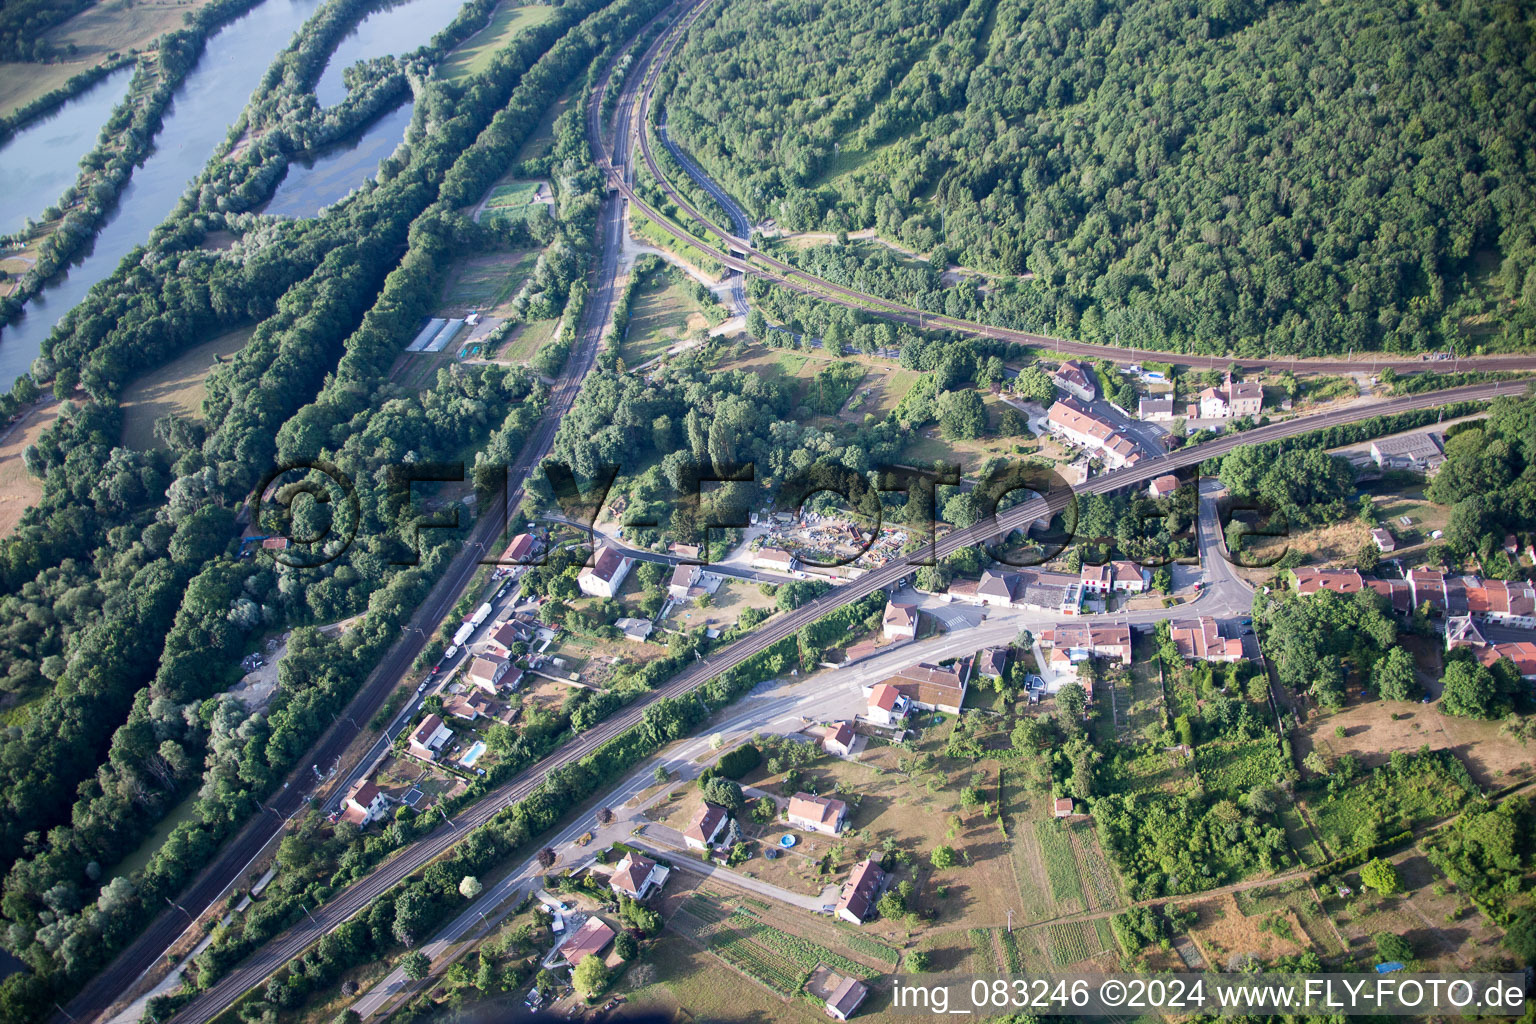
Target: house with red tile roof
{"x":636,"y":876}
{"x":365,"y":803}
{"x":1201,"y":640}
{"x":705,"y":826}
{"x":839,"y":739}
{"x":605,"y":575}
{"x":589,"y":940}
{"x":887,"y":705}
{"x":817,"y":813}
{"x":860,"y":892}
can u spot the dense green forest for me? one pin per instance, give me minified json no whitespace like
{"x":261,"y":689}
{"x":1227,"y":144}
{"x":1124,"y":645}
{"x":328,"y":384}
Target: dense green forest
{"x":1201,"y":176}
{"x":126,"y":608}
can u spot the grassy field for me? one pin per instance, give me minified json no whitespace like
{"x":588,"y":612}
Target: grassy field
{"x":485,"y":282}
{"x":664,"y":313}
{"x":544,"y":135}
{"x":513,"y":194}
{"x":928,"y":445}
{"x":526,"y":340}
{"x":474,"y":54}
{"x":878,"y":393}
{"x":176,"y":387}
{"x":18,"y":488}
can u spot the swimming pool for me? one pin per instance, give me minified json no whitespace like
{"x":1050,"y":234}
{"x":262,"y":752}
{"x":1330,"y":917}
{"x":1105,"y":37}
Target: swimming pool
{"x":472,"y":754}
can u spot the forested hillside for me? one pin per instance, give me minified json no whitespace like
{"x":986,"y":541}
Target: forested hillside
{"x":1217,"y":175}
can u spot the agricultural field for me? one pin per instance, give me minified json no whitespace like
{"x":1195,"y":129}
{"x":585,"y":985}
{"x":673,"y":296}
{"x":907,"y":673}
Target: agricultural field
{"x":474,"y":54}
{"x":485,"y":283}
{"x":1099,"y":881}
{"x":1226,"y":936}
{"x":1301,"y":900}
{"x":516,"y":200}
{"x":177,"y":387}
{"x":1061,"y":865}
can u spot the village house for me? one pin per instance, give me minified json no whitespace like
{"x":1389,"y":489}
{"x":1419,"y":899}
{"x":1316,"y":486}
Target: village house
{"x":933,"y":687}
{"x":1118,"y":577}
{"x":635,"y":630}
{"x":860,"y":892}
{"x":365,"y":803}
{"x":817,"y":813}
{"x":774,"y":560}
{"x":1082,"y":427}
{"x":427,"y":739}
{"x":487,"y":671}
{"x":705,"y":826}
{"x":1101,"y":641}
{"x":1230,"y":400}
{"x":1200,"y":639}
{"x":839,"y":739}
{"x":887,"y":705}
{"x":1463,"y":631}
{"x":1064,"y":807}
{"x":467,"y":706}
{"x":1504,"y":602}
{"x":1340,"y":581}
{"x":1429,"y":588}
{"x":900,"y":621}
{"x":636,"y":876}
{"x":992,"y":663}
{"x":519,"y":552}
{"x":588,"y":940}
{"x":1163,"y":486}
{"x":605,"y":575}
{"x":845,"y":998}
{"x":1078,"y":380}
{"x":685,"y":583}
{"x":1155,"y":408}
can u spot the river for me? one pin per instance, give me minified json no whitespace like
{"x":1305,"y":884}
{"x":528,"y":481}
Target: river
{"x":398,"y":29}
{"x":43,"y":159}
{"x":209,"y":100}
{"x":311,"y":184}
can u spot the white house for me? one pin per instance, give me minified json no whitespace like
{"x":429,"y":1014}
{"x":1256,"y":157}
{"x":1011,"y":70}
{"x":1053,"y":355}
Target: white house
{"x":817,"y":813}
{"x":1232,"y":399}
{"x":636,"y":876}
{"x":605,"y":575}
{"x":365,"y":803}
{"x":774,"y":560}
{"x":900,"y":621}
{"x":887,"y":706}
{"x":1118,"y":577}
{"x":705,"y":827}
{"x":839,"y":739}
{"x":429,"y":737}
{"x":487,"y":671}
{"x":1155,"y":409}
